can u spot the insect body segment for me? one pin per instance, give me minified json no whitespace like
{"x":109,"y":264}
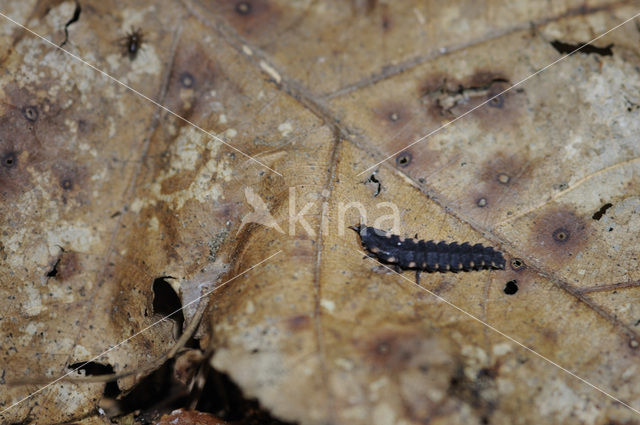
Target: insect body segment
{"x":408,"y":253}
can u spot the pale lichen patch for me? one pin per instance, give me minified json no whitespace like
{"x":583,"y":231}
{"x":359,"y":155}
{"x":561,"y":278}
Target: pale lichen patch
{"x":285,"y":129}
{"x":328,"y":304}
{"x":154,"y":224}
{"x":501,"y":349}
{"x":32,"y":305}
{"x":560,"y":400}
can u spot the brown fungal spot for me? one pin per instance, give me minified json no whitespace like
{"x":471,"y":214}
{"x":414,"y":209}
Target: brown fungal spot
{"x":30,"y":113}
{"x":558,"y":235}
{"x":561,"y":235}
{"x":68,"y":265}
{"x":186,"y":79}
{"x":498,"y":183}
{"x":298,"y":323}
{"x":243,"y":8}
{"x":386,"y":20}
{"x":503,"y":178}
{"x":67,"y":184}
{"x":394,"y":115}
{"x":517,"y":264}
{"x":70,"y":178}
{"x":9,"y":160}
{"x":391,"y":349}
{"x":252,"y":17}
{"x":403,"y":159}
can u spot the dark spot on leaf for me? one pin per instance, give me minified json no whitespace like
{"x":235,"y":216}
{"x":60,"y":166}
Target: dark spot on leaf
{"x":299,"y":322}
{"x":587,"y":49}
{"x":67,"y":184}
{"x":602,"y":211}
{"x":511,"y":287}
{"x":54,"y":270}
{"x":386,"y":22}
{"x":30,"y":113}
{"x":557,"y":235}
{"x":243,"y":8}
{"x":561,"y":235}
{"x":404,"y":159}
{"x":476,"y":392}
{"x":74,"y":18}
{"x":392,"y":350}
{"x":9,"y":160}
{"x":186,"y":79}
{"x":517,"y":264}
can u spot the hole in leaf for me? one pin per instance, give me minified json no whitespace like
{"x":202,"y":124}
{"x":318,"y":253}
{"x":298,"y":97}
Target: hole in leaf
{"x":602,"y":211}
{"x":564,"y":48}
{"x":95,"y":369}
{"x":517,"y":264}
{"x":30,"y":113}
{"x":403,"y":160}
{"x":54,"y":270}
{"x":166,"y":302}
{"x":511,"y":287}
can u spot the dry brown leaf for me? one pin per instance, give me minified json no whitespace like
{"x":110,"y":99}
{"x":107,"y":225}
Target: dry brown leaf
{"x":190,"y":417}
{"x":103,"y":193}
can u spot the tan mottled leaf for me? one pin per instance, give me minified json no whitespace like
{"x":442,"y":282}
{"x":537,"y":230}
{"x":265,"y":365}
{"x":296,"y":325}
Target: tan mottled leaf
{"x":322,"y":106}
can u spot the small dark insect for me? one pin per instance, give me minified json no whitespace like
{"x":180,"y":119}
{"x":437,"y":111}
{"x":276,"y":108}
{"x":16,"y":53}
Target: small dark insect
{"x":132,"y":43}
{"x":428,"y":256}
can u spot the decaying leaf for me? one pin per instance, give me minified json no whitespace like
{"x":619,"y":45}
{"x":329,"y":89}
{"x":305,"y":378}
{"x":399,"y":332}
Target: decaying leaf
{"x":104,"y":192}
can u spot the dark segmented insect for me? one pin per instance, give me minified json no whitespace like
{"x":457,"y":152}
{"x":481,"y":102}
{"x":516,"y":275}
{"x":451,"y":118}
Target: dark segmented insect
{"x":132,"y":43}
{"x":428,"y":256}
